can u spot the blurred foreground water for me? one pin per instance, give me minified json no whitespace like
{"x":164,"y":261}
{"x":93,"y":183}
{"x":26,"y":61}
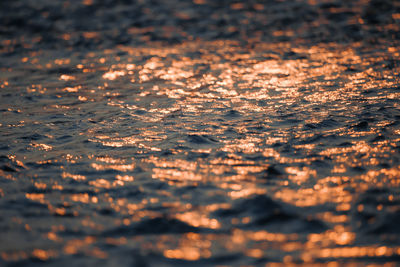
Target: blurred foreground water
{"x":202,"y":150}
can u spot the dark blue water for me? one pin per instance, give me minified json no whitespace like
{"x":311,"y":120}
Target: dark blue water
{"x":121,"y":147}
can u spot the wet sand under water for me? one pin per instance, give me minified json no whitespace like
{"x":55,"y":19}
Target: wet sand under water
{"x":203,"y":152}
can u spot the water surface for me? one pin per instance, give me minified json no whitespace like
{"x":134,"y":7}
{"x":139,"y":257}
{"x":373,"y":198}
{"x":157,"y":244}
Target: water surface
{"x":211,"y":151}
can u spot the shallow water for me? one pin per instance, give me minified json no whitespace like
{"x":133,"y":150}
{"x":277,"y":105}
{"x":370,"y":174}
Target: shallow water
{"x":205,"y":152}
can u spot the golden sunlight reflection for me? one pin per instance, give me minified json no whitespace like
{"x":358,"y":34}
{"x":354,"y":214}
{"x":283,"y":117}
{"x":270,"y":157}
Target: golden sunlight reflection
{"x":77,"y":177}
{"x":204,"y":151}
{"x":198,"y":220}
{"x":351,"y":252}
{"x":118,"y":167}
{"x":112,"y":75}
